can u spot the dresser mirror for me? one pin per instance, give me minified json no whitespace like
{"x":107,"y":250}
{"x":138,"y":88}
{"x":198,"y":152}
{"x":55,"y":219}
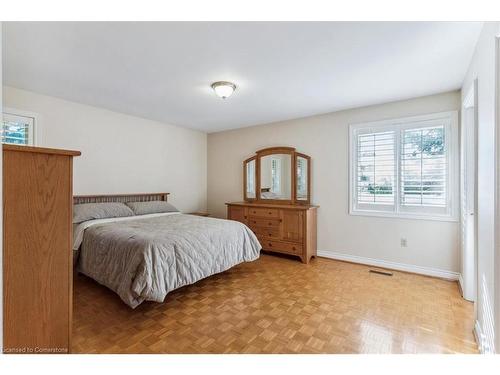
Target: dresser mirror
{"x":277,"y":175}
{"x":302,"y":178}
{"x":250,"y":178}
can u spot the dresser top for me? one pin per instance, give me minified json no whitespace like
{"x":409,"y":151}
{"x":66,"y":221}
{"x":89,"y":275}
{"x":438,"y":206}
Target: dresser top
{"x":268,"y":205}
{"x":40,"y":150}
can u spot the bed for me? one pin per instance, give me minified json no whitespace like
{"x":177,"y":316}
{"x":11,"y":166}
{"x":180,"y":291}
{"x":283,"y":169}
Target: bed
{"x":144,"y":257}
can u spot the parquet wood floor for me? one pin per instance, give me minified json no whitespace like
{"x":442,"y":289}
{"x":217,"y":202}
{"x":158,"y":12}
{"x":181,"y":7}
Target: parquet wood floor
{"x":258,"y":308}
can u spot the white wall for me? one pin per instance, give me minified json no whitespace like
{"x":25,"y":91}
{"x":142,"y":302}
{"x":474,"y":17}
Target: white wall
{"x":431,"y":244}
{"x":482,"y":67}
{"x":120,"y":153}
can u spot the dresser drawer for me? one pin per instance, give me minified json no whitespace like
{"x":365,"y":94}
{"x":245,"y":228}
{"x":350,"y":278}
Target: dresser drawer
{"x":269,"y":233}
{"x":280,"y":246}
{"x":266,"y":223}
{"x":264,"y":212}
{"x":237,"y":213}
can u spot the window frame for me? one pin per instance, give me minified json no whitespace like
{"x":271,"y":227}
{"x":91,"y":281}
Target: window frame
{"x":450,"y":213}
{"x":33,"y":134}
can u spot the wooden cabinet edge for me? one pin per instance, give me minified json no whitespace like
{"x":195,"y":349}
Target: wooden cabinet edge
{"x":63,"y":159}
{"x":40,"y":150}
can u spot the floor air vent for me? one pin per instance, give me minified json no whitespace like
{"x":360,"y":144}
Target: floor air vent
{"x":385,"y":273}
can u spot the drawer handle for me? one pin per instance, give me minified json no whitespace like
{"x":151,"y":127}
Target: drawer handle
{"x":270,"y":224}
{"x":293,"y":248}
{"x":270,"y":244}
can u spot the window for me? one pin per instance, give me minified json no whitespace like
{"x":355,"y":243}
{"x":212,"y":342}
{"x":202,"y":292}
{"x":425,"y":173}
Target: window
{"x":423,"y":167}
{"x":276,"y":175}
{"x":18,"y":129}
{"x":376,"y":173}
{"x":405,"y":167}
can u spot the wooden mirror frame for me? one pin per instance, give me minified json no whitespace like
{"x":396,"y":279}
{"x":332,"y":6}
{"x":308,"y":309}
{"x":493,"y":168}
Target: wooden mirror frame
{"x":278,"y":150}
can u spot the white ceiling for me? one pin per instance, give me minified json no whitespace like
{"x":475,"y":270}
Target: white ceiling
{"x":283,"y":70}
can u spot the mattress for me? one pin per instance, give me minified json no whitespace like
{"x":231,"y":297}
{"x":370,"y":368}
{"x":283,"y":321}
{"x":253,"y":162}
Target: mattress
{"x":143,"y":258}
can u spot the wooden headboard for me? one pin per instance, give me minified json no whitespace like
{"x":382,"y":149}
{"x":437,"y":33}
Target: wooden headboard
{"x":141,"y":197}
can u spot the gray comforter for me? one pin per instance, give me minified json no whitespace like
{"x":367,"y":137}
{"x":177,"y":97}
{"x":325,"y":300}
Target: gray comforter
{"x":144,"y":259}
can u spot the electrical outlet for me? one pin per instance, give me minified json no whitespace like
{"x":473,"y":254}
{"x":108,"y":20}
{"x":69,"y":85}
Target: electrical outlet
{"x":404,"y":243}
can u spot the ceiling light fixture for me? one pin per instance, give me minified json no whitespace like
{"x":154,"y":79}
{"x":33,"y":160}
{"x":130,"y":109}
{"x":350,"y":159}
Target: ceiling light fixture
{"x":223,"y":89}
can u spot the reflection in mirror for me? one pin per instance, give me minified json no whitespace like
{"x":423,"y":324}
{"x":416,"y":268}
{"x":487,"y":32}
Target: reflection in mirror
{"x":301,"y":178}
{"x":250,"y":176}
{"x":275,"y":177}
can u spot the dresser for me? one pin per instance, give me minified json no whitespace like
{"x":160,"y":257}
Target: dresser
{"x":277,"y":201}
{"x":286,"y":229}
{"x":37,"y":256}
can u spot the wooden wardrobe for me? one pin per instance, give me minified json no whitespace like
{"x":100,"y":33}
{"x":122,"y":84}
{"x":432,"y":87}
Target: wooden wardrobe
{"x":37,"y":243}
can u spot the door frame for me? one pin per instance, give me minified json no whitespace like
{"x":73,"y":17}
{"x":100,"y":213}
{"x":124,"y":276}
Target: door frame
{"x":468,"y":280}
{"x":496,"y":291}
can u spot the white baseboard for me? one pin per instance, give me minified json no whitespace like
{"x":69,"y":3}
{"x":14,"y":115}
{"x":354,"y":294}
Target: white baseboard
{"x":478,"y":333}
{"x":482,"y":341}
{"x":461,"y":283}
{"x":391,"y":265}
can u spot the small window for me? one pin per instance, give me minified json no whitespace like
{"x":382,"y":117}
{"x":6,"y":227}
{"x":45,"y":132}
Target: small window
{"x":18,"y":129}
{"x":405,"y":167}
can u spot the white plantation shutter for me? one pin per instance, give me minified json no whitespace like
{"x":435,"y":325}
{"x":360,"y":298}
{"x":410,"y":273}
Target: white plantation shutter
{"x":405,"y":167}
{"x":423,"y":167}
{"x":17,"y":129}
{"x":375,"y":168}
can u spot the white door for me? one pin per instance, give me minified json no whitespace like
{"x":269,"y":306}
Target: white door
{"x":469,"y":194}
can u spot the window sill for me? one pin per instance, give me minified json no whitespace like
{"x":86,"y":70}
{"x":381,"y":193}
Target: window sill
{"x":407,"y":216}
